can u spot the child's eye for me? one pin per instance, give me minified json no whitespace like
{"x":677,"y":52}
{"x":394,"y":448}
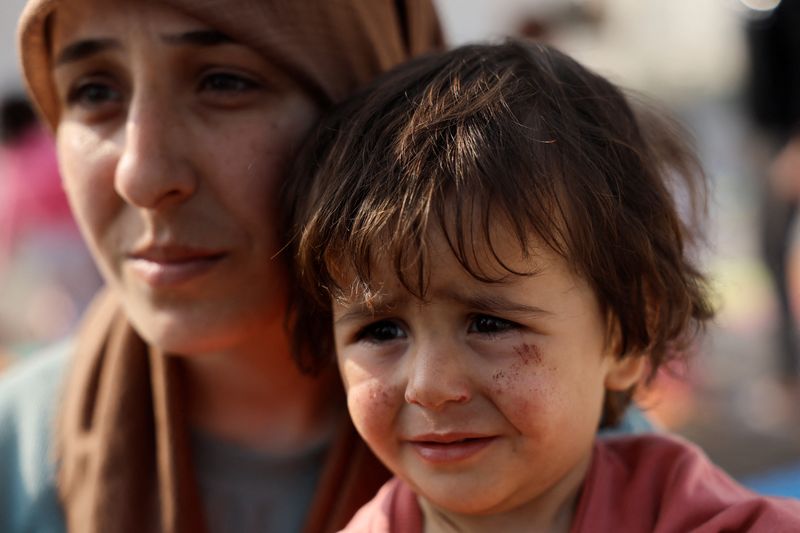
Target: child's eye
{"x":381,"y":331}
{"x":227,"y":82}
{"x":490,"y":325}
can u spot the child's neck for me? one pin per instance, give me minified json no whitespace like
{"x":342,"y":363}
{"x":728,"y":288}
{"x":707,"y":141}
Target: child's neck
{"x":550,"y":513}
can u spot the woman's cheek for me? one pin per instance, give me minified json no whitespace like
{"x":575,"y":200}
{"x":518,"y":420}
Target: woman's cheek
{"x":87,"y":166}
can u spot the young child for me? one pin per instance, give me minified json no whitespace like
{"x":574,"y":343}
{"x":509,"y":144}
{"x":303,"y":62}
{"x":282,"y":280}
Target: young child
{"x":491,"y":232}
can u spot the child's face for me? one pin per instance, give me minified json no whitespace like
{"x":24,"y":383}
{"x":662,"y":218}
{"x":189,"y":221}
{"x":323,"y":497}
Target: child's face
{"x":486,"y":396}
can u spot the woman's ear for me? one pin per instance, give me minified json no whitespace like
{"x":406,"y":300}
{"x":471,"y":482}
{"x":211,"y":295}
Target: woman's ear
{"x":625,"y":372}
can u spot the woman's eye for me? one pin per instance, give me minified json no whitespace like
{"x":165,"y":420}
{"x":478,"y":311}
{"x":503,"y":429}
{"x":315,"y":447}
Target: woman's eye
{"x":489,"y":325}
{"x":383,"y":331}
{"x":227,"y":82}
{"x":93,"y":95}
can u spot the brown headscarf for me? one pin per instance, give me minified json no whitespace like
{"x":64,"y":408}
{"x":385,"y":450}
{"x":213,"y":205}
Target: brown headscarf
{"x":328,"y":46}
{"x":124,"y":459}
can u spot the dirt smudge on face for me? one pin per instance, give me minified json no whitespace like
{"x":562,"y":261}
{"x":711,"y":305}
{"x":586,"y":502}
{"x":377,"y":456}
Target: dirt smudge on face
{"x":528,"y":353}
{"x":528,"y":360}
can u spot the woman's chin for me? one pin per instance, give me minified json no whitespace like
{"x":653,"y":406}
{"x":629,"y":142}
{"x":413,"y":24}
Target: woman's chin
{"x":187,"y":332}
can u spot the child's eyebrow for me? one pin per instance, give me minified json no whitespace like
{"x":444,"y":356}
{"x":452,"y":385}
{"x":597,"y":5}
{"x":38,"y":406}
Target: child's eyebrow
{"x":368,"y":310}
{"x":488,"y":303}
{"x":493,"y":303}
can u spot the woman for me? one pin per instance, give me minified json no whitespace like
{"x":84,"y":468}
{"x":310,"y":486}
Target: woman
{"x":181,"y":408}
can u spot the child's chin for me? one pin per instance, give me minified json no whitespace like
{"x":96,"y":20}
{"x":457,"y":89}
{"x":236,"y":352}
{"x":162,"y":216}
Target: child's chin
{"x":473,"y":502}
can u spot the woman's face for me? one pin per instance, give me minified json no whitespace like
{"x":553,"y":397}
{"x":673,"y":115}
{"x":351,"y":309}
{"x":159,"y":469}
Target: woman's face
{"x":173,"y":140}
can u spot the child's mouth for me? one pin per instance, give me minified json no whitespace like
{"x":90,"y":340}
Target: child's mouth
{"x":449,"y":449}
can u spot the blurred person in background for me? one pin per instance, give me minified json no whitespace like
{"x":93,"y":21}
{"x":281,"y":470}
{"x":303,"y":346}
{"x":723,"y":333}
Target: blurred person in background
{"x":773,"y":39}
{"x":785,"y":168}
{"x":178,"y":406}
{"x":47,"y":276}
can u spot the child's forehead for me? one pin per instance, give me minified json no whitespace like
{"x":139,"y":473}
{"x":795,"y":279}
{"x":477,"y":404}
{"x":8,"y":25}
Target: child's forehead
{"x":480,"y":273}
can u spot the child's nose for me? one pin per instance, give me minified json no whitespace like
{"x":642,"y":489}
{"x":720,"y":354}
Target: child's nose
{"x":437,"y":378}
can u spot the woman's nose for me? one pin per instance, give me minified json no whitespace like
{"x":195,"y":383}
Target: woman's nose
{"x":153,"y":171}
{"x":437,"y":378}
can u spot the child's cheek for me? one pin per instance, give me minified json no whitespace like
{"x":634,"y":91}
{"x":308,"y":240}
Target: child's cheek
{"x":523,"y":387}
{"x":373,"y":407}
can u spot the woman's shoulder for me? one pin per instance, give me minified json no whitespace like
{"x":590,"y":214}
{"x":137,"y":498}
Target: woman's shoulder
{"x":29,"y":396}
{"x":656,"y":481}
{"x":45,"y":364}
{"x":30,"y":389}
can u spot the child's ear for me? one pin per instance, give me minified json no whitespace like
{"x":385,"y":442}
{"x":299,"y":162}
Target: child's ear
{"x":625,"y":372}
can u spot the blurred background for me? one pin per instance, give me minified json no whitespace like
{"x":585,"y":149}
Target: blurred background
{"x":728,"y":69}
{"x":46,"y":274}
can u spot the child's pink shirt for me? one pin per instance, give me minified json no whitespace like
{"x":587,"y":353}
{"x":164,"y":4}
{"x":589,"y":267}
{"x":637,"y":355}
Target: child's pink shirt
{"x":636,"y":484}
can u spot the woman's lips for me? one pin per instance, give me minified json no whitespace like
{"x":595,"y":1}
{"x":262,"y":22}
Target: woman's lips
{"x":163,"y":268}
{"x":443,"y":450}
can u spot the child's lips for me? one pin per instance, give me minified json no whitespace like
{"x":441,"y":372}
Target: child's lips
{"x":450,"y":448}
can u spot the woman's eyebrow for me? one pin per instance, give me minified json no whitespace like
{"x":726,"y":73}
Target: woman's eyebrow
{"x":83,"y":49}
{"x":198,"y":38}
{"x":88,"y":47}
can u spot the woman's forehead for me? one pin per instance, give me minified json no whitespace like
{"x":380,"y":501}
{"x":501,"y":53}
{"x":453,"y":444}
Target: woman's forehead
{"x":99,"y":20}
{"x":151,"y":36}
{"x":328,"y":48}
